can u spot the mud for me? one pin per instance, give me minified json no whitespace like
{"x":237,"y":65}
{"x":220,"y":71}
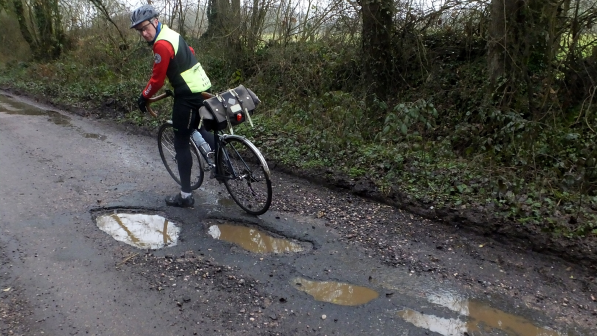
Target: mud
{"x":476,"y":219}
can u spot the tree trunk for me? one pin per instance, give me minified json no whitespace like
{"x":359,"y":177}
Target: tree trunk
{"x":27,"y":35}
{"x":257,"y":19}
{"x":181,"y":19}
{"x":500,"y":26}
{"x":518,"y":47}
{"x":235,"y":12}
{"x":218,"y":18}
{"x":211,"y":19}
{"x":48,"y":43}
{"x":376,"y":45}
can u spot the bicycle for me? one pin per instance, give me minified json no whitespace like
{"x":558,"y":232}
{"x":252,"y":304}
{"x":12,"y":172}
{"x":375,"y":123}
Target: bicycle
{"x":235,"y":161}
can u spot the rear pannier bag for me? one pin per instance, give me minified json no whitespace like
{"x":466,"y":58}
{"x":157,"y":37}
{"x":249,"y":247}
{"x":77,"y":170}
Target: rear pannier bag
{"x":229,"y":108}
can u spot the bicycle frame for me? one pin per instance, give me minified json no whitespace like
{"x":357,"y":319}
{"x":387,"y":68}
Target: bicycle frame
{"x":236,"y":162}
{"x":218,"y":138}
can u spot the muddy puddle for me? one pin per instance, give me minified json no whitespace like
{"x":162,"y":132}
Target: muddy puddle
{"x":9,"y":105}
{"x":475,"y":318}
{"x":252,"y":239}
{"x":58,"y":119}
{"x":335,"y":292}
{"x":480,"y":322}
{"x":94,"y":136}
{"x":139,"y":230}
{"x":469,"y":314}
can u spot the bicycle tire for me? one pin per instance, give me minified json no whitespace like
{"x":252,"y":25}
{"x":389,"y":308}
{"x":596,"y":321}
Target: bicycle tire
{"x":247,"y":177}
{"x":168,"y":155}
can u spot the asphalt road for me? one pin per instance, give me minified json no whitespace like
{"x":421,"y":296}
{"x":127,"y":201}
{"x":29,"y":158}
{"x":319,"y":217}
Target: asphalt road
{"x":61,"y":275}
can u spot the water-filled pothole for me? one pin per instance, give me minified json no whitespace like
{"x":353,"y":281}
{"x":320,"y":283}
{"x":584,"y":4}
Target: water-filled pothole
{"x":482,"y":319}
{"x":9,"y":105}
{"x":475,"y":316}
{"x":335,"y":292}
{"x":252,"y":239}
{"x":58,"y":118}
{"x":94,"y":136}
{"x":139,"y":230}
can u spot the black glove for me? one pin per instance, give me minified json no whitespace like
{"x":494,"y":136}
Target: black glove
{"x":141,"y":103}
{"x":170,"y":93}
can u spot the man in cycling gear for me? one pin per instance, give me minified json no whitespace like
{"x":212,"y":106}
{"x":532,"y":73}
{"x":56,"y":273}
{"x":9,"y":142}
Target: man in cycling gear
{"x":174,"y":59}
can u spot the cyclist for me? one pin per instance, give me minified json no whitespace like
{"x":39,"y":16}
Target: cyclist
{"x":174,"y":59}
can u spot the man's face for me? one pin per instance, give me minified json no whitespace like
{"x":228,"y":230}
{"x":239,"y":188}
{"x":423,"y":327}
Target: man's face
{"x":147,"y":29}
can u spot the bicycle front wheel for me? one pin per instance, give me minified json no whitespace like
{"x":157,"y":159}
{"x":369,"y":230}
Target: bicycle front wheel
{"x":168,"y":155}
{"x":245,"y":174}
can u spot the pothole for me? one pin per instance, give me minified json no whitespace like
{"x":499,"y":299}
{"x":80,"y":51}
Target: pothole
{"x":335,"y":292}
{"x":94,"y":136}
{"x":10,"y":107}
{"x":252,"y":239}
{"x":58,"y":118}
{"x":140,"y":230}
{"x":481,"y":319}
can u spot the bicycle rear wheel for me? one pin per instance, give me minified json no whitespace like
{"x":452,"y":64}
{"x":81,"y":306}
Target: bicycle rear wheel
{"x":245,"y":174}
{"x":168,"y":155}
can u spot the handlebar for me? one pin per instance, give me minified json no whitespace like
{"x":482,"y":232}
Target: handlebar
{"x":168,"y":93}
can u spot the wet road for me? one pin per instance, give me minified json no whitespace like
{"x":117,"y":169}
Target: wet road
{"x":60,"y":173}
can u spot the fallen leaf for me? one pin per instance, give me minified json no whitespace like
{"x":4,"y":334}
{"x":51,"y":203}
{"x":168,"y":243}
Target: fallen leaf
{"x":593,"y":298}
{"x":7,"y":289}
{"x":481,"y":245}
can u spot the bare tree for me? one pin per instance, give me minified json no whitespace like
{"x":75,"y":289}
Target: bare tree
{"x":376,"y":45}
{"x":41,"y":27}
{"x":103,"y":10}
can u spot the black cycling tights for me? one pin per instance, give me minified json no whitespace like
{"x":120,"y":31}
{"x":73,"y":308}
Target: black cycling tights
{"x":183,"y":155}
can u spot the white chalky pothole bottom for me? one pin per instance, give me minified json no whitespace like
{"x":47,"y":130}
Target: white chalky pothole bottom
{"x":139,"y":230}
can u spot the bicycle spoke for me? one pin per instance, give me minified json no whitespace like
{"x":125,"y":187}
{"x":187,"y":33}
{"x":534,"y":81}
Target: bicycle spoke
{"x":168,"y":155}
{"x":245,"y":176}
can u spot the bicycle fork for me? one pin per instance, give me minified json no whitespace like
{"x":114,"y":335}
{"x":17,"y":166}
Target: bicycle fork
{"x":238,"y":173}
